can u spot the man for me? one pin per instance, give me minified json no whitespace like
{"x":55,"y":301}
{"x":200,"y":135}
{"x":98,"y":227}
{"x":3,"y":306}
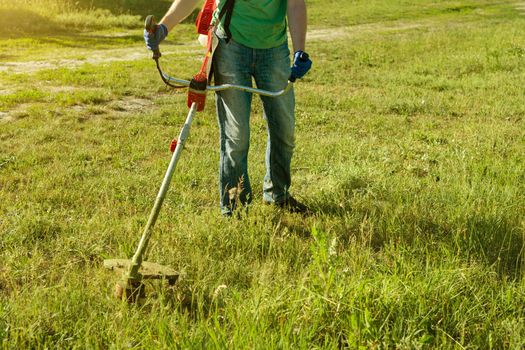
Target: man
{"x":252,"y":44}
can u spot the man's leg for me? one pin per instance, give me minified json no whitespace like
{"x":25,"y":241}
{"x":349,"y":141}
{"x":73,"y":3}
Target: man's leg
{"x":232,"y":64}
{"x":271,"y":73}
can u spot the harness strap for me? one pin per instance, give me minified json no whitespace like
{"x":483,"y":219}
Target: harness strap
{"x":227,"y":10}
{"x":209,"y":54}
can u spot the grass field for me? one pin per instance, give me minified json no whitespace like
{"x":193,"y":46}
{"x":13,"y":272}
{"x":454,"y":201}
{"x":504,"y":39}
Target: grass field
{"x":410,"y":149}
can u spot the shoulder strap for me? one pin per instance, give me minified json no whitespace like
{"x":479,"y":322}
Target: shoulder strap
{"x":227,"y":10}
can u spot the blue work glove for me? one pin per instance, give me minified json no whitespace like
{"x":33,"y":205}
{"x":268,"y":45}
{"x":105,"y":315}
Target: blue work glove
{"x":301,"y":65}
{"x":153,"y":39}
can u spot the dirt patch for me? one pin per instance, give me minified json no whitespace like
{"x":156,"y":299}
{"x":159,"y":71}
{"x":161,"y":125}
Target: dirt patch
{"x":342,"y":32}
{"x":131,"y":104}
{"x":120,"y":107}
{"x":57,"y":89}
{"x":96,"y":57}
{"x":5,"y":117}
{"x":9,"y":116}
{"x":328,"y":34}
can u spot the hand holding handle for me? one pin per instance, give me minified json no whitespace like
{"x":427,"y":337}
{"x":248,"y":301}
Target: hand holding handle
{"x":151,"y":27}
{"x":301,"y":65}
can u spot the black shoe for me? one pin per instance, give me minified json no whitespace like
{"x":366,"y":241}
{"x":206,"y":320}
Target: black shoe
{"x":293,"y":206}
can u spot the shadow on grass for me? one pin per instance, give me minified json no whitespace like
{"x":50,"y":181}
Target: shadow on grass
{"x":41,"y":29}
{"x":367,"y":212}
{"x":140,"y":8}
{"x":26,"y":23}
{"x":4,"y":57}
{"x":495,"y":240}
{"x":45,"y":30}
{"x":498,"y":241}
{"x":133,"y":7}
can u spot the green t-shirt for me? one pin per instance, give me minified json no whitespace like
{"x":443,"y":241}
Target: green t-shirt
{"x":259,"y":24}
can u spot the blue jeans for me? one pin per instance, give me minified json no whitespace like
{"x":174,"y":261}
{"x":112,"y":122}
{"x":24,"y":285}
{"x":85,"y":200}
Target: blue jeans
{"x":270,"y":68}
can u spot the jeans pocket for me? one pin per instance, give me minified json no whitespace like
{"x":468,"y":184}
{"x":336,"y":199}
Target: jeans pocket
{"x":282,"y":53}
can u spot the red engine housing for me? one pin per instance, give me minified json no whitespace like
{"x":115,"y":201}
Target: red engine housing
{"x":197,"y":91}
{"x":205,"y":17}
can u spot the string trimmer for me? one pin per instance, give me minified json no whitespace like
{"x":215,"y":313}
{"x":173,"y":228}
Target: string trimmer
{"x":131,"y":287}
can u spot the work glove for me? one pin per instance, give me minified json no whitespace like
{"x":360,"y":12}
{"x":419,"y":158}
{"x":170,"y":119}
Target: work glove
{"x":301,"y":65}
{"x":153,"y":39}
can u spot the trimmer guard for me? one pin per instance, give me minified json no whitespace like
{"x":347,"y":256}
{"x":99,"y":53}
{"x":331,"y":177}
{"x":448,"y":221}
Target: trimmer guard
{"x":148,"y":270}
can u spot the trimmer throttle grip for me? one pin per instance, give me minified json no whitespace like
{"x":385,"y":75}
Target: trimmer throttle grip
{"x":303,"y":57}
{"x":150,"y":25}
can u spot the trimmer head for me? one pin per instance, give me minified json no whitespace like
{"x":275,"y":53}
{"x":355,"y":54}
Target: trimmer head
{"x":132,"y":289}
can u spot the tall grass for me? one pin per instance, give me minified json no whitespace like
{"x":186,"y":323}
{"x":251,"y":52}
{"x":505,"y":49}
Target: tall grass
{"x":410,"y":150}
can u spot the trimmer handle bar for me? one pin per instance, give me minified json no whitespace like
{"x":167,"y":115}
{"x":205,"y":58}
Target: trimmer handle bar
{"x":151,"y":26}
{"x":223,"y":87}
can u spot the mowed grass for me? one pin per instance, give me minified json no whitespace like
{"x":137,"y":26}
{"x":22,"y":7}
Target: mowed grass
{"x":410,"y":149}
